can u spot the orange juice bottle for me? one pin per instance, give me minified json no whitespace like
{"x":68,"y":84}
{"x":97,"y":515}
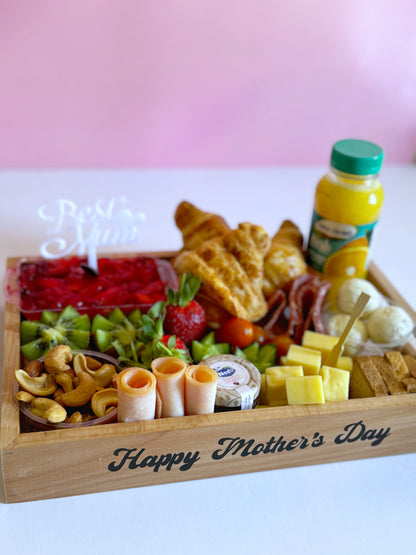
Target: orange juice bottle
{"x":348,"y":200}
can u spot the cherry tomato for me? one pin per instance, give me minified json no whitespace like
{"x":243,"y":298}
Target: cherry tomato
{"x":236,"y":331}
{"x":259,"y":334}
{"x":282,"y":342}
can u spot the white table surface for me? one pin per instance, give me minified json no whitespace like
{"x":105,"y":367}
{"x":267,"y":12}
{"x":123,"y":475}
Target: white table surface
{"x":364,"y":506}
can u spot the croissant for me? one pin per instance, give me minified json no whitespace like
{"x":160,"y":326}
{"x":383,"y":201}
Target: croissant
{"x":231,"y":270}
{"x":198,"y":226}
{"x":284,"y":260}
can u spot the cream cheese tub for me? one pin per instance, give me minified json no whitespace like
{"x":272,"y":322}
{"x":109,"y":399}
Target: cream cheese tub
{"x":239,"y":382}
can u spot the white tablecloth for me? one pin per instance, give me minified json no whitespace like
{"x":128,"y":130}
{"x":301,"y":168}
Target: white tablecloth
{"x":365,"y":506}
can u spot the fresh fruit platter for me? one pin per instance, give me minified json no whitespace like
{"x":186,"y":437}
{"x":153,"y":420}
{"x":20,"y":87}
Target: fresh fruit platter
{"x":226,"y":357}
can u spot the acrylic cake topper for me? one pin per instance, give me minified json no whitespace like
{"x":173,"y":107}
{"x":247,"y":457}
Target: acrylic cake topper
{"x":105,"y":222}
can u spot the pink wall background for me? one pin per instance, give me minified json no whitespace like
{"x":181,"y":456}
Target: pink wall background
{"x":168,"y":83}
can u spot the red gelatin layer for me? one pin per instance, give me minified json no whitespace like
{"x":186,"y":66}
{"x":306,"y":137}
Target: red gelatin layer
{"x":124,"y":282}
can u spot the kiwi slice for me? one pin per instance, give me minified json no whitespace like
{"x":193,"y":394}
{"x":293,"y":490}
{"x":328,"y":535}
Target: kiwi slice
{"x":207,"y":347}
{"x":30,"y":330}
{"x":261,"y":356}
{"x":71,"y":316}
{"x":49,"y":317}
{"x":118,"y":334}
{"x":68,"y":327}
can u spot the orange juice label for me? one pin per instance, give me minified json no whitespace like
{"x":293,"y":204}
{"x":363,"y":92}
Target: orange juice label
{"x":339,"y":250}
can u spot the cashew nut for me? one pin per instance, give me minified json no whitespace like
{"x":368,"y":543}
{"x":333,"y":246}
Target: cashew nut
{"x":57,"y":395}
{"x":41,"y":386}
{"x":75,"y":418}
{"x":102,"y":376}
{"x":87,"y":417}
{"x":82,"y":393}
{"x":48,"y":409}
{"x":56,"y":359}
{"x":24,"y":396}
{"x":65,"y":381}
{"x":80,"y":363}
{"x":104,"y":399}
{"x":92,"y":363}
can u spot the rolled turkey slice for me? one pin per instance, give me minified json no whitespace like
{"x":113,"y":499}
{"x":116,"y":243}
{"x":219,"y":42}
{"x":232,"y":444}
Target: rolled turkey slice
{"x":136,"y":389}
{"x":170,"y":376}
{"x":200,"y":389}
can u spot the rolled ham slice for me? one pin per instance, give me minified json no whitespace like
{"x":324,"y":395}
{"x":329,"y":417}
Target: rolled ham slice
{"x":200,"y":389}
{"x":170,"y":376}
{"x":136,"y":389}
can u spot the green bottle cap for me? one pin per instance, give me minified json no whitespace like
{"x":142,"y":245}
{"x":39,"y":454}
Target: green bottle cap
{"x":356,"y":157}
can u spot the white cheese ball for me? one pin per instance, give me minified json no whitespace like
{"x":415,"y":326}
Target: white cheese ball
{"x":389,"y":324}
{"x":349,"y":292}
{"x":356,"y":338}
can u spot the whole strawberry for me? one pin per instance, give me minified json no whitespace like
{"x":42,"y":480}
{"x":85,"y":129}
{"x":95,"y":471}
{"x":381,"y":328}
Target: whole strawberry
{"x":164,"y":346}
{"x":185,"y":317}
{"x":176,"y":346}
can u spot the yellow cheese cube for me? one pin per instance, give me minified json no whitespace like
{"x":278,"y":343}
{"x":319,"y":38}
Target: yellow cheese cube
{"x":344,"y":363}
{"x":309,"y":359}
{"x":276,"y":383}
{"x":305,"y":390}
{"x":263,"y":390}
{"x":283,"y":361}
{"x":319,"y":342}
{"x":277,"y":370}
{"x":336,"y":383}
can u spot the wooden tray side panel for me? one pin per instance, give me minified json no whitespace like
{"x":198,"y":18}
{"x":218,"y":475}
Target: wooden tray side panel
{"x":9,"y":419}
{"x":133,"y":460}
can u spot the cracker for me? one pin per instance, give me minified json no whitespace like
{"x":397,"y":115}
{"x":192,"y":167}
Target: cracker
{"x":366,"y":380}
{"x":386,"y":371}
{"x":410,"y":384}
{"x":396,"y":360}
{"x":411,"y":364}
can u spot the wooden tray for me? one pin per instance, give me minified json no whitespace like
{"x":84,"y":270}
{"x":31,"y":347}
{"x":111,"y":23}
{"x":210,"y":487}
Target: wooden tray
{"x":58,"y":463}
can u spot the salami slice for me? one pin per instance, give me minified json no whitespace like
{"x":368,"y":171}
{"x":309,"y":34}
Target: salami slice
{"x":297,"y":308}
{"x":277,"y":304}
{"x":296,"y":316}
